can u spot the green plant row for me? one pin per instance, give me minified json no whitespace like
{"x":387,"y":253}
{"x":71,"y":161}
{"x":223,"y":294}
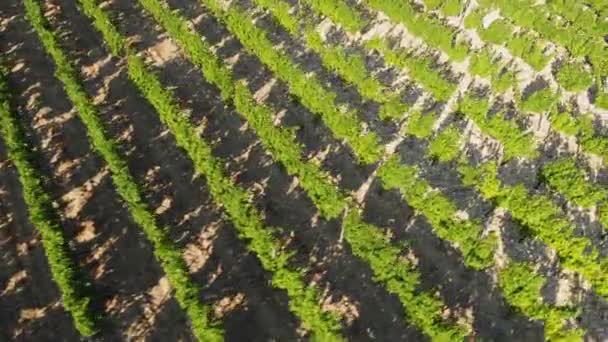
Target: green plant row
{"x":572,"y":75}
{"x":351,"y":67}
{"x":303,"y":300}
{"x":201,"y":54}
{"x":431,"y":30}
{"x":545,"y":220}
{"x":500,"y":32}
{"x":280,"y":142}
{"x":419,"y":68}
{"x":522,"y":293}
{"x":524,"y":14}
{"x":339,"y":11}
{"x":515,"y":142}
{"x":564,"y":176}
{"x":522,"y":287}
{"x":451,"y":8}
{"x":42,"y":214}
{"x":440,"y":212}
{"x":484,"y":64}
{"x":315,"y":96}
{"x":580,"y":127}
{"x":579,"y":17}
{"x":400,"y":278}
{"x":186,"y":292}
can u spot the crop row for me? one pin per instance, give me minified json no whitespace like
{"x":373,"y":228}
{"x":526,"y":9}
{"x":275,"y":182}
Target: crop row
{"x":544,"y":218}
{"x":450,"y":8}
{"x":521,"y":144}
{"x":524,"y":14}
{"x":320,"y":100}
{"x":350,"y":66}
{"x":522,"y":293}
{"x":42,"y":214}
{"x":383,"y":258}
{"x":303,"y":300}
{"x":505,"y":128}
{"x":431,"y":30}
{"x":516,"y":142}
{"x":571,"y":75}
{"x":420,"y":68}
{"x":186,"y":292}
{"x":523,"y":44}
{"x":520,"y":284}
{"x":523,"y":289}
{"x":280,"y":142}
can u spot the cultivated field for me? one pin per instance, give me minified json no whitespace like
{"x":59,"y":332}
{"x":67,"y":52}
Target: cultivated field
{"x":285,"y":170}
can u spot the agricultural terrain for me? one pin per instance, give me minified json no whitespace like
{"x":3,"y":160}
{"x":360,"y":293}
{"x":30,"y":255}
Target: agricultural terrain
{"x":295,"y":170}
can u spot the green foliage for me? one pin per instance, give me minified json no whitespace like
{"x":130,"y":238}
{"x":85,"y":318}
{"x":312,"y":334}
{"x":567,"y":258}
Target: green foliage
{"x":544,"y":219}
{"x":446,"y":146}
{"x":351,"y":67}
{"x":40,"y":204}
{"x":400,"y":278}
{"x":419,"y":68}
{"x":481,"y":64}
{"x":447,"y":7}
{"x":522,"y":288}
{"x":564,"y":122}
{"x":601,"y":100}
{"x":318,"y":98}
{"x":579,"y":43}
{"x":186,"y":291}
{"x":539,"y":101}
{"x":432,"y":30}
{"x":421,"y":126}
{"x":235,"y":201}
{"x":569,"y":180}
{"x":573,"y":77}
{"x":440,"y":212}
{"x":501,"y":32}
{"x":503,"y":80}
{"x":339,"y":12}
{"x":280,"y":142}
{"x":582,"y":128}
{"x":516,"y":143}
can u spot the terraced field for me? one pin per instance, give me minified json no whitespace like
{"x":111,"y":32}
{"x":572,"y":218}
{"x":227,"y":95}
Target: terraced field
{"x":284,"y":170}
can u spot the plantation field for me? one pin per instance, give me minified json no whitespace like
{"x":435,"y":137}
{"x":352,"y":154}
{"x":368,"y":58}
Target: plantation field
{"x":294,"y":170}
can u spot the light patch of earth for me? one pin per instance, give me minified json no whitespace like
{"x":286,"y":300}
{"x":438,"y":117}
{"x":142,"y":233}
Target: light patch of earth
{"x":228,"y":304}
{"x":163,"y":52}
{"x":14,"y":281}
